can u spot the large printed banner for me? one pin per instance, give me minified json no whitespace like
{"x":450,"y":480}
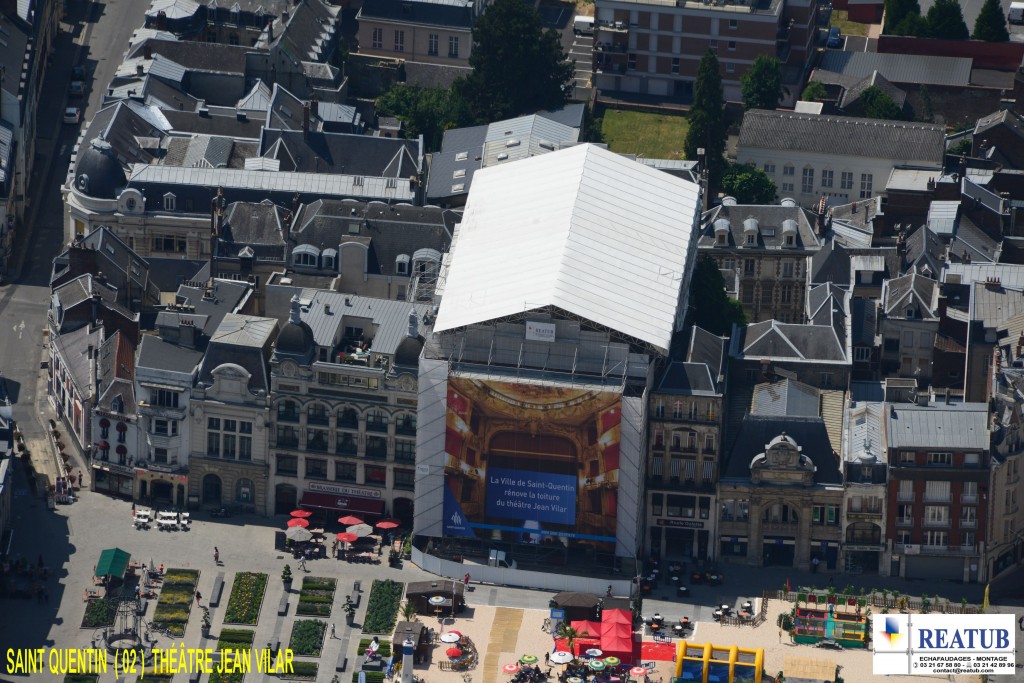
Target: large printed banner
{"x":531,"y":463}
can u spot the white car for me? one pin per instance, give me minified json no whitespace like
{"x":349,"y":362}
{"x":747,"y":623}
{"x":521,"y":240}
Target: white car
{"x":72,"y":115}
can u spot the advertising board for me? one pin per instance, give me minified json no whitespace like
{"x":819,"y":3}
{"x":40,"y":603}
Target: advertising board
{"x":944,"y":644}
{"x":531,"y":463}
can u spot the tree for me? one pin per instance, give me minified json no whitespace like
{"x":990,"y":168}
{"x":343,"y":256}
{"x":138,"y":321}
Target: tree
{"x":877,"y":105}
{"x":424,"y":111}
{"x":898,"y":10}
{"x":762,"y":84}
{"x":991,"y":24}
{"x":710,"y":307}
{"x":748,"y":184}
{"x":946,"y":21}
{"x":569,"y":634}
{"x":814,"y":92}
{"x":518,"y":66}
{"x":912,"y":25}
{"x":707,"y":127}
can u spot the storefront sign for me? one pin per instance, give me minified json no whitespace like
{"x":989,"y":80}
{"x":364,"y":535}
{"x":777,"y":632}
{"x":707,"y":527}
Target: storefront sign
{"x":338,"y":489}
{"x":682,"y":523}
{"x":544,"y":332}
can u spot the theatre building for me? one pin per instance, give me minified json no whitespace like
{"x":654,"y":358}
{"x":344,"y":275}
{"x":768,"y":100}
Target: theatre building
{"x":567,"y":279}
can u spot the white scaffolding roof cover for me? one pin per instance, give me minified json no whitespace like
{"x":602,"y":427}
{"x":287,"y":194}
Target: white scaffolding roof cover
{"x":583,"y":229}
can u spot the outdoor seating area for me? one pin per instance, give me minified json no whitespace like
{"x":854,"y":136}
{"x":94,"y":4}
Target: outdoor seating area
{"x":164,"y":520}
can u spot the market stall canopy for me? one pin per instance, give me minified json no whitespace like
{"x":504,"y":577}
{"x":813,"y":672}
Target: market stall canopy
{"x":576,"y":599}
{"x":113,"y":562}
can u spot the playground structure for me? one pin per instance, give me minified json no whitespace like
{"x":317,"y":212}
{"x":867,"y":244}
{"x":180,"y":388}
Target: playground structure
{"x":838,"y":618}
{"x":709,"y":663}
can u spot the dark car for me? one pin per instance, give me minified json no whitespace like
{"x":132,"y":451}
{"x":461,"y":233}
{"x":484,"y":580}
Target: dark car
{"x":835,"y":37}
{"x":76,"y":88}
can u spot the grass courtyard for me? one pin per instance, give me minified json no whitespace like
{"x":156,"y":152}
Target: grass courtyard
{"x":841,"y":19}
{"x":654,"y":136}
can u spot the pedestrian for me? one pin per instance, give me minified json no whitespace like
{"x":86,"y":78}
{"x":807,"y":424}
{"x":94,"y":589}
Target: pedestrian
{"x":199,"y":596}
{"x":547,"y":657}
{"x":133,"y":509}
{"x":216,"y":555}
{"x":332,"y":631}
{"x":79,"y":480}
{"x":302,"y":563}
{"x":465,"y":579}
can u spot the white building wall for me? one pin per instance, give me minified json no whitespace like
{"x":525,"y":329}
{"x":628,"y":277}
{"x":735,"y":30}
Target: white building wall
{"x":430,"y":454}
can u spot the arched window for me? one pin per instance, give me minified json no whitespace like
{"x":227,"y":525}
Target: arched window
{"x":348,"y":418}
{"x":245,"y":491}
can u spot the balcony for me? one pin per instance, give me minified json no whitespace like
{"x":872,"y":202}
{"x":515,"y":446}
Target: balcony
{"x":377,"y":426}
{"x":938,"y":498}
{"x":969,"y":498}
{"x":659,"y":446}
{"x":864,"y":513}
{"x":945,"y":550}
{"x":905,"y":521}
{"x":936,"y":523}
{"x":165,"y":412}
{"x":968,"y":523}
{"x":905,"y":497}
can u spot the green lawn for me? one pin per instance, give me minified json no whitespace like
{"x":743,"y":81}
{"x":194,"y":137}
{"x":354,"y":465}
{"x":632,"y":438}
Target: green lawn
{"x":654,"y":136}
{"x":840,"y":18}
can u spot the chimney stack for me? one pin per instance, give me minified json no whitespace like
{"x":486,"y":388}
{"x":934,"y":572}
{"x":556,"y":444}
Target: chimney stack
{"x":314,"y":106}
{"x":305,"y":120}
{"x":147,"y":51}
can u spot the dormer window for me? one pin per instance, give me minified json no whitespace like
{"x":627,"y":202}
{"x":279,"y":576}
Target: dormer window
{"x":170,"y":201}
{"x":402,"y":264}
{"x":721,"y":238}
{"x":910,"y":312}
{"x":789,"y":240}
{"x":751,"y":239}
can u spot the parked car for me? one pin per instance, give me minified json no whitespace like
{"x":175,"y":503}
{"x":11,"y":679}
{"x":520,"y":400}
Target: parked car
{"x":835,"y":37}
{"x":72,"y":115}
{"x":76,"y":88}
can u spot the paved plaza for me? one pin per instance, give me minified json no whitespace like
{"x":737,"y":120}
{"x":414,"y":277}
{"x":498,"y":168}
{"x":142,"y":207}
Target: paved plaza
{"x":71,"y":538}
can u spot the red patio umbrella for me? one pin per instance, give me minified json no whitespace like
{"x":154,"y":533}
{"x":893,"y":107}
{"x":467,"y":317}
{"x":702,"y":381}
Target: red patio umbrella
{"x":346,"y":537}
{"x":453,"y":652}
{"x":301,"y":513}
{"x":388,"y":524}
{"x":510,"y":669}
{"x":349,"y":520}
{"x":298,"y":521}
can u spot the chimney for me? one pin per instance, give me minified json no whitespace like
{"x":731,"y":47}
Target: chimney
{"x":140,"y":70}
{"x":414,"y":324}
{"x":161,"y":20}
{"x":270,"y":39}
{"x":305,"y":120}
{"x":327,"y":309}
{"x":296,"y":312}
{"x":314,"y":106}
{"x":942,"y":303}
{"x":147,"y":51}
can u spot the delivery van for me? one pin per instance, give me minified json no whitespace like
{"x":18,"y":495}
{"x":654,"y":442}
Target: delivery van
{"x":584,"y":26}
{"x":1016,"y":15}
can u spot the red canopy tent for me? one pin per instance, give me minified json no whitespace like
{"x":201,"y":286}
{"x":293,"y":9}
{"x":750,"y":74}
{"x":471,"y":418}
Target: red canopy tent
{"x":587,"y":629}
{"x":617,"y":634}
{"x":583,"y":642}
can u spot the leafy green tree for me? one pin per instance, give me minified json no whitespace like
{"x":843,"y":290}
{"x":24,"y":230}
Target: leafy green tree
{"x":991,"y":24}
{"x":424,"y":111}
{"x":878,"y":105}
{"x":748,"y":184}
{"x":762,"y":84}
{"x":898,"y":10}
{"x":710,"y":306}
{"x":814,"y":92}
{"x":946,"y":21}
{"x":912,"y":25}
{"x":518,"y":66}
{"x":706,"y":121}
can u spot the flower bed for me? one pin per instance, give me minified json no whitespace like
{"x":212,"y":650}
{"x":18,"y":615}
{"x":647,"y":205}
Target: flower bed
{"x":382,"y":607}
{"x":175,"y":601}
{"x":316,"y":596}
{"x":301,"y":671}
{"x":308,"y":637}
{"x":232,"y":639}
{"x":99,"y":613}
{"x":371,"y":676}
{"x":246,"y":599}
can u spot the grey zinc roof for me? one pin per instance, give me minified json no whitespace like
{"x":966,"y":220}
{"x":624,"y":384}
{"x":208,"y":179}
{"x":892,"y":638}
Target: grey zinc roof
{"x":912,"y":289}
{"x":842,"y":135}
{"x":772,"y":339}
{"x":226,"y":296}
{"x":786,"y":397}
{"x":953,"y":426}
{"x":360,"y":155}
{"x":458,"y":15}
{"x":391,"y":318}
{"x":72,"y":348}
{"x":244,"y":330}
{"x":900,"y":68}
{"x":863,"y":432}
{"x":942,"y":216}
{"x":687,"y":379}
{"x":831,"y":263}
{"x":863,"y":321}
{"x":767,"y":218}
{"x":1009,"y":275}
{"x":809,"y":433}
{"x":523,"y":137}
{"x":994,"y":305}
{"x":708,"y":349}
{"x":157,"y":354}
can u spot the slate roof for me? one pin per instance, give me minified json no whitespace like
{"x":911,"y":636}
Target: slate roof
{"x":71,"y":348}
{"x":808,"y":432}
{"x":786,"y":397}
{"x":422,"y":12}
{"x":158,"y":354}
{"x":687,"y":379}
{"x":116,"y":374}
{"x":257,"y":99}
{"x":842,"y":135}
{"x":195,"y":55}
{"x":285,"y":111}
{"x":309,"y":33}
{"x":945,"y":426}
{"x":899,"y":68}
{"x":913,"y":289}
{"x":357,"y":155}
{"x":831,"y":263}
{"x":14,"y":50}
{"x":242,"y":340}
{"x":225,"y":298}
{"x":825,"y":340}
{"x":708,"y":349}
{"x":259,"y":226}
{"x":851,"y":96}
{"x":213,"y":124}
{"x":992,"y":305}
{"x":119,"y":264}
{"x":924,"y":248}
{"x":863,"y":321}
{"x":770,"y":221}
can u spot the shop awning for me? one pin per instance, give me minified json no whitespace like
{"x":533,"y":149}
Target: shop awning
{"x":342,"y":503}
{"x":113,"y":562}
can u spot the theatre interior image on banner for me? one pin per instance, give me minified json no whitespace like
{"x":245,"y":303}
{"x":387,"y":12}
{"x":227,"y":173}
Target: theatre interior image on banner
{"x":531,"y":464}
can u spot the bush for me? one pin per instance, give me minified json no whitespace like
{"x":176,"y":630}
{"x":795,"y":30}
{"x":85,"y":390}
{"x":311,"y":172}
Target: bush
{"x":231,"y":638}
{"x":246,"y":598}
{"x":382,"y":607}
{"x":384,"y":650}
{"x":308,"y":637}
{"x":316,"y":596}
{"x":305,"y":670}
{"x":234,"y":677}
{"x":371,"y":676}
{"x":99,"y":613}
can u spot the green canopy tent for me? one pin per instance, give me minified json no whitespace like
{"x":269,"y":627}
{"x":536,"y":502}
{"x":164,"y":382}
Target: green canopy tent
{"x":113,"y":562}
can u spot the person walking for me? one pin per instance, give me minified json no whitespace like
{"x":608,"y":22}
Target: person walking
{"x":216,"y":555}
{"x":302,"y":563}
{"x":199,"y":597}
{"x":332,"y":631}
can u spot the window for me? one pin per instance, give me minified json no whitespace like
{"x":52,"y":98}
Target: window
{"x":769,"y":168}
{"x":748,"y":266}
{"x":453,"y":47}
{"x":316,"y":468}
{"x":287,"y":437}
{"x":378,"y":38}
{"x":213,"y":444}
{"x":287,"y":411}
{"x":376,"y":447}
{"x":376,"y":421}
{"x":709,"y":444}
{"x":832,"y":514}
{"x":787,"y":187}
{"x":631,"y":61}
{"x":657,"y":503}
{"x":747,"y":293}
{"x":826,"y":178}
{"x":846,"y":180}
{"x":788,"y":170}
{"x":941,"y":459}
{"x":316,"y":439}
{"x":807,"y":180}
{"x":432,"y":45}
{"x":826,"y":379}
{"x":730,"y":68}
{"x":969,"y":492}
{"x":939,"y":538}
{"x":287,"y":465}
{"x":345,"y":471}
{"x":787,"y":269}
{"x":967,"y":538}
{"x":130,"y":204}
{"x":376,"y":475}
{"x":160,"y":455}
{"x":245,"y":491}
{"x":405,"y":479}
{"x":733,"y":23}
{"x":168,"y":243}
{"x":936,"y":514}
{"x":972,"y":459}
{"x":213,"y":423}
{"x":405,"y":451}
{"x":317,"y":414}
{"x":751,"y":239}
{"x":170,"y":202}
{"x":677,"y":410}
{"x":866,"y":180}
{"x":165,"y":427}
{"x":164,"y":398}
{"x":786,"y":294}
{"x":228,"y":449}
{"x":862,"y":353}
{"x":907,"y":458}
{"x":937,"y":491}
{"x":659,"y":408}
{"x":968,"y":515}
{"x":732,"y":45}
{"x":399,"y":41}
{"x":713,"y":45}
{"x":675,"y":65}
{"x":245,"y":445}
{"x":818,"y":514}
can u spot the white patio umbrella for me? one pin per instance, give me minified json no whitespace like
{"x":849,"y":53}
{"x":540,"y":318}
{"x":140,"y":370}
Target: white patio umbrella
{"x":561,"y":657}
{"x":298,"y":534}
{"x":360,"y":530}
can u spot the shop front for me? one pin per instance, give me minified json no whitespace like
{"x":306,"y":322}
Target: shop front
{"x":827,"y":553}
{"x":162,"y":488}
{"x":687,"y":539}
{"x":330,"y":500}
{"x":113,"y":479}
{"x":778,"y":551}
